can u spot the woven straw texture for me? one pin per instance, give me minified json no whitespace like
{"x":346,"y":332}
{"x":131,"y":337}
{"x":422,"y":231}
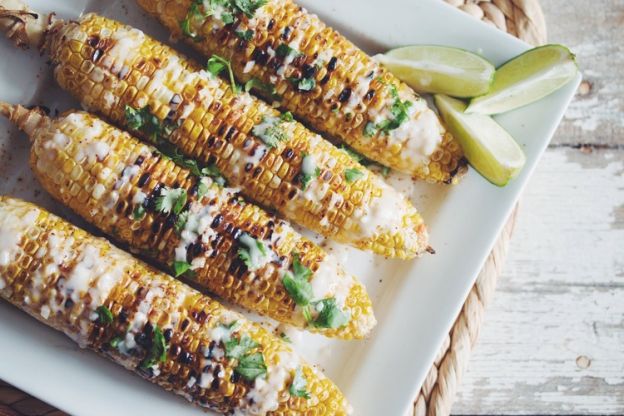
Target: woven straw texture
{"x":525,"y":20}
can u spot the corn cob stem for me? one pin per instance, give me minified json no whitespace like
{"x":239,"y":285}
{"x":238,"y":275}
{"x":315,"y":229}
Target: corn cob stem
{"x":231,"y":248}
{"x":141,"y":84}
{"x":150,"y":323}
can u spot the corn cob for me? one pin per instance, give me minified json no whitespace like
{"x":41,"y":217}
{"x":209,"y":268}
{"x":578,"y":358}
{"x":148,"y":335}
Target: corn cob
{"x":150,"y":323}
{"x":122,"y":186}
{"x":141,"y":84}
{"x":290,"y":56}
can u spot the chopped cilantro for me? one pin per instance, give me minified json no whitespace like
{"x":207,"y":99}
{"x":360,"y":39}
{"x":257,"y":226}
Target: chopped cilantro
{"x":245,"y":35}
{"x":192,"y":14}
{"x":251,"y":366}
{"x":115,"y":341}
{"x":249,"y":7}
{"x":138,"y":213}
{"x":217,"y":64}
{"x":235,"y":348}
{"x":252,"y":253}
{"x":142,"y":120}
{"x":255,"y":83}
{"x":304,"y":84}
{"x":370,"y":129}
{"x":158,"y":350}
{"x":287,"y":117}
{"x":399,"y":111}
{"x":285,"y":337}
{"x":181,"y":267}
{"x":297,"y":284}
{"x":105,"y":316}
{"x":330,"y":316}
{"x":270,"y":131}
{"x":171,"y":200}
{"x":299,"y":385}
{"x":284,"y":50}
{"x":181,"y":222}
{"x":353,"y":174}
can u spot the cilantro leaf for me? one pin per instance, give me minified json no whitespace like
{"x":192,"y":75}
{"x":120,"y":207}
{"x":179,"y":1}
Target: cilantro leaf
{"x":370,"y":129}
{"x":235,"y":348}
{"x":213,"y":172}
{"x":255,"y":83}
{"x":297,"y":284}
{"x":330,"y":316}
{"x":353,"y":174}
{"x":245,"y":35}
{"x":299,"y":385}
{"x":270,"y":131}
{"x":285,"y":337}
{"x":217,"y":64}
{"x":115,"y":341}
{"x":192,"y":14}
{"x":253,"y":252}
{"x":249,"y":7}
{"x":158,"y":350}
{"x":284,"y":50}
{"x":287,"y":117}
{"x":399,"y":111}
{"x":305,"y":84}
{"x":142,"y":120}
{"x":138,"y":213}
{"x":180,"y":267}
{"x":105,"y":316}
{"x":171,"y":200}
{"x":181,"y":222}
{"x":251,"y":366}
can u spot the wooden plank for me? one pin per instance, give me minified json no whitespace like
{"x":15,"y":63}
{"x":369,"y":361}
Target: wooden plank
{"x":553,"y":340}
{"x":595,"y":32}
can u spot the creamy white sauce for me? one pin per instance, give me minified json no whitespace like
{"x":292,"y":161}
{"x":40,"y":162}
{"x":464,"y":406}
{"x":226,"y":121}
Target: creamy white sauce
{"x":264,"y":397}
{"x":308,"y":165}
{"x":197,"y":227}
{"x":249,"y":67}
{"x":126,"y":47}
{"x":331,"y":281}
{"x":258,"y":259}
{"x":12,"y":228}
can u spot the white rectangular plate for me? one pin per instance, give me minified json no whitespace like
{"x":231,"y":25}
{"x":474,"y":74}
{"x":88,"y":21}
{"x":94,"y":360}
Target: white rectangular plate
{"x":415,"y":302}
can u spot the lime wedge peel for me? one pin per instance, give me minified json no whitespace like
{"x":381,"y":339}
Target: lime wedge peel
{"x":440,"y":69}
{"x":487,"y":146}
{"x":526,"y":79}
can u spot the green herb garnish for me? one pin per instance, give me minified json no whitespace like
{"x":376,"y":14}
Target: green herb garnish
{"x":297,"y":284}
{"x":115,"y":341}
{"x":171,"y":200}
{"x":105,"y":316}
{"x":253,"y":253}
{"x":217,"y":64}
{"x":353,"y":174}
{"x":245,"y":35}
{"x":370,"y":129}
{"x":270,"y":131}
{"x":181,"y":267}
{"x":299,"y":385}
{"x":330,"y":316}
{"x":251,"y":366}
{"x":157,"y":352}
{"x":399,"y":111}
{"x":138,"y":213}
{"x":255,"y":83}
{"x":249,"y":7}
{"x":304,"y":84}
{"x":285,"y":337}
{"x":142,"y":120}
{"x":237,"y":348}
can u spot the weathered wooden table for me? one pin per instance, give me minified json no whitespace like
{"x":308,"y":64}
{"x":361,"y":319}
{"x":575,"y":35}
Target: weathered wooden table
{"x":553,"y":339}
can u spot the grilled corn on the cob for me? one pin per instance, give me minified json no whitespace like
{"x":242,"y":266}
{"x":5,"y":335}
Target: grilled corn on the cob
{"x":150,"y":323}
{"x":289,"y":55}
{"x":191,"y":224}
{"x":137,"y":82}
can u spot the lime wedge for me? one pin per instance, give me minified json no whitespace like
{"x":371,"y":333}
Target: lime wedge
{"x":527,"y":78}
{"x":440,"y":69}
{"x":487,"y":146}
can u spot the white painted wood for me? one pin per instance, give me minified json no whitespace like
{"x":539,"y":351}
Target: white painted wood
{"x":553,"y":339}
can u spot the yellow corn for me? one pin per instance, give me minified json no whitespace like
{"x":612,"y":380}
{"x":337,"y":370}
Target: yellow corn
{"x":321,"y":77}
{"x":112,"y":68}
{"x":148,"y":322}
{"x":119,"y":185}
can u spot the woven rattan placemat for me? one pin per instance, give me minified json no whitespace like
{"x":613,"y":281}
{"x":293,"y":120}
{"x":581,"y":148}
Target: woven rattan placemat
{"x":521,"y":18}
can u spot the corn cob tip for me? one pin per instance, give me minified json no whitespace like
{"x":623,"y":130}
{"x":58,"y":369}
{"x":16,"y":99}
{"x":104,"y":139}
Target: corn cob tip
{"x":24,"y":27}
{"x":26,"y":119}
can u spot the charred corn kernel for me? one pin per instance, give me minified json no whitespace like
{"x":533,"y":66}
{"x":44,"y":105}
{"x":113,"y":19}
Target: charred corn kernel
{"x":289,"y":55}
{"x":254,"y":146}
{"x":189,"y":224}
{"x":148,"y":322}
